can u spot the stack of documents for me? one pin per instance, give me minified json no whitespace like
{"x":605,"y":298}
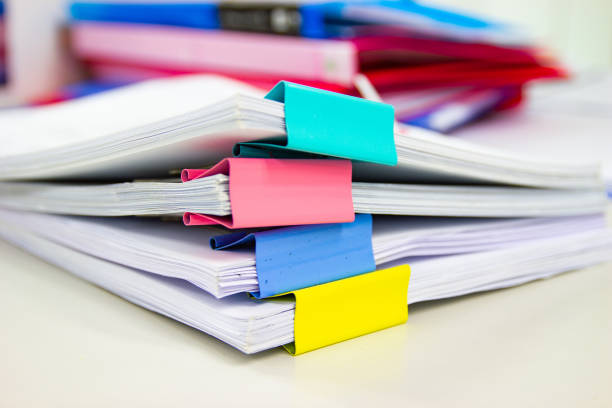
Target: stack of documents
{"x":439,"y":68}
{"x":186,"y":293}
{"x":277,"y":194}
{"x":170,"y":250}
{"x":553,"y":116}
{"x":210,"y":195}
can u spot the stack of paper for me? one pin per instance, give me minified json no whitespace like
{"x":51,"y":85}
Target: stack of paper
{"x":168,"y":249}
{"x":196,"y":120}
{"x":439,"y":68}
{"x":210,"y":195}
{"x":252,"y":325}
{"x":318,"y":165}
{"x":553,"y":116}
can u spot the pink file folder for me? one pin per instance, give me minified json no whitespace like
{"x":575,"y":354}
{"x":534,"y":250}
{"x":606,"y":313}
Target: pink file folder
{"x":207,"y":50}
{"x":331,"y":61}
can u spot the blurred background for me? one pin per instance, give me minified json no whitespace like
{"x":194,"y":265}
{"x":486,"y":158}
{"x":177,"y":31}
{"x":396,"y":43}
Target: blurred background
{"x":37,"y":58}
{"x":579,"y":31}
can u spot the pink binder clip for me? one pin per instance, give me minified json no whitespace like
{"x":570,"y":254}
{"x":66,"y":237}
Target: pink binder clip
{"x":278,"y":192}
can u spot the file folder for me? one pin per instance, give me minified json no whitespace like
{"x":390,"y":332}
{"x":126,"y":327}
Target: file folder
{"x":321,"y":20}
{"x":398,"y":46}
{"x":196,"y":14}
{"x":385,"y":60}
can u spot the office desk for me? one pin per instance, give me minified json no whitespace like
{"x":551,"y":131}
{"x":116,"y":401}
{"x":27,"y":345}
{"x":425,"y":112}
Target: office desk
{"x":67,"y":343}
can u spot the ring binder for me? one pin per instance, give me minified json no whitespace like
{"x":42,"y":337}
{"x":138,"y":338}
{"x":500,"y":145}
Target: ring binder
{"x":332,"y":124}
{"x":293,"y":258}
{"x":266,"y":192}
{"x":337,"y":311}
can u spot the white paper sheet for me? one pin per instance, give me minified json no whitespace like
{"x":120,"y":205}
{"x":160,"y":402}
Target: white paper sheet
{"x":172,"y":250}
{"x":571,"y":121}
{"x":210,"y":195}
{"x":25,"y":130}
{"x":121,"y":134}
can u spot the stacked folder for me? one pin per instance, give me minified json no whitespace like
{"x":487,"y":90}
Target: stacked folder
{"x":439,"y":68}
{"x":310,"y":217}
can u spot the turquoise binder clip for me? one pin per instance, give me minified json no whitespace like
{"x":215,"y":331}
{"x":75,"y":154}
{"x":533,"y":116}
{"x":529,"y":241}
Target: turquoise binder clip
{"x":330,"y":124}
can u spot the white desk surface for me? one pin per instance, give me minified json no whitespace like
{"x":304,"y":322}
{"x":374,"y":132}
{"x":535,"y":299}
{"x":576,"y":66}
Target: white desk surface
{"x":67,"y":343}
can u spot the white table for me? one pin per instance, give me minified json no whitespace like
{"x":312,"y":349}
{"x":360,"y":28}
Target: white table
{"x":67,"y":343}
